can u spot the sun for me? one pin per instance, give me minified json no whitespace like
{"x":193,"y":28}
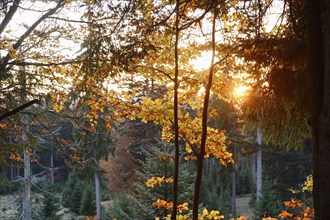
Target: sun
{"x":241,"y":91}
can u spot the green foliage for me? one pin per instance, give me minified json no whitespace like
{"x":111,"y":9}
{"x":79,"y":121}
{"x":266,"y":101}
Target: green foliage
{"x":157,"y":162}
{"x":4,"y":186}
{"x":7,"y":187}
{"x":50,"y":208}
{"x":288,"y":168}
{"x":279,"y":109}
{"x":50,"y":205}
{"x":245,"y":182}
{"x":269,"y":204}
{"x":87,"y":206}
{"x":216,"y":189}
{"x":76,"y":197}
{"x":106,"y":193}
{"x":92,"y":146}
{"x":72,"y":193}
{"x":122,"y":208}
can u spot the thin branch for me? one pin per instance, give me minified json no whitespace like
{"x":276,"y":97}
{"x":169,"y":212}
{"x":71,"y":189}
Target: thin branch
{"x":28,"y":32}
{"x":186,"y":25}
{"x":225,"y":57}
{"x":24,"y":63}
{"x":158,"y":70}
{"x":192,"y":146}
{"x":61,"y":146}
{"x":44,"y":191}
{"x":73,"y":21}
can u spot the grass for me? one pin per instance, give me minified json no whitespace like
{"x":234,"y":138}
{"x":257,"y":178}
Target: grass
{"x":8,"y":207}
{"x":243,"y":207}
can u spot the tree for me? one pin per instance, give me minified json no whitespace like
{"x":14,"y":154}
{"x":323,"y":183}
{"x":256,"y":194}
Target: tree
{"x":215,"y":189}
{"x":190,"y":120}
{"x":72,"y":193}
{"x":153,"y":188}
{"x":175,"y":112}
{"x":287,"y":168}
{"x":268,"y":203}
{"x":50,"y":205}
{"x":296,"y":59}
{"x":318,"y":39}
{"x":19,"y":47}
{"x":87,"y":206}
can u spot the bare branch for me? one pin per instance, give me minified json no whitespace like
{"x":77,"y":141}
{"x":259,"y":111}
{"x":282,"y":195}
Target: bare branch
{"x":24,"y":63}
{"x":18,"y":109}
{"x":27,"y":33}
{"x":158,"y":70}
{"x":9,"y":15}
{"x":71,"y":20}
{"x":198,"y":19}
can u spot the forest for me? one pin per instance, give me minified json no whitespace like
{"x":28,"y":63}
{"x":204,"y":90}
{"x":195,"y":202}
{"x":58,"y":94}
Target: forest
{"x":164,"y":109}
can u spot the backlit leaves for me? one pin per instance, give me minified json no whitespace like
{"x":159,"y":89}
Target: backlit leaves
{"x":160,"y":111}
{"x":153,"y":181}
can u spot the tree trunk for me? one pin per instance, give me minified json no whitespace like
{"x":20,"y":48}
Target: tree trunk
{"x":176,"y":112}
{"x":319,"y":101}
{"x":201,"y":153}
{"x":26,"y":200}
{"x":52,"y":165}
{"x":207,"y":165}
{"x":11,"y":172}
{"x":259,"y":167}
{"x":233,"y":195}
{"x":98,"y":196}
{"x":253,"y":167}
{"x":97,"y":189}
{"x":322,"y":161}
{"x":27,"y":187}
{"x":222,"y":193}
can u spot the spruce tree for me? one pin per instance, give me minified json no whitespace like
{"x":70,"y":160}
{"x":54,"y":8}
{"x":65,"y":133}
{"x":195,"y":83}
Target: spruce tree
{"x":72,"y":193}
{"x":157,"y":162}
{"x":216,"y":189}
{"x":268,"y":205}
{"x":87,"y":206}
{"x":69,"y":185}
{"x":76,"y":197}
{"x":50,"y":207}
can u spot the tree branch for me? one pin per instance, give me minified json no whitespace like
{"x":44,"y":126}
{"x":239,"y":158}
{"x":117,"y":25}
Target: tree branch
{"x":24,"y":63}
{"x":156,"y":69}
{"x":27,"y":33}
{"x":18,"y":109}
{"x":9,"y":15}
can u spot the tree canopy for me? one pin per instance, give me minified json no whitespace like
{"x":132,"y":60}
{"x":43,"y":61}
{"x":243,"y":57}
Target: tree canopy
{"x":97,"y":63}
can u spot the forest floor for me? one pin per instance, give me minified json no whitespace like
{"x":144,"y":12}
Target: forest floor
{"x":243,"y":207}
{"x":8,"y":205}
{"x":9,"y":208}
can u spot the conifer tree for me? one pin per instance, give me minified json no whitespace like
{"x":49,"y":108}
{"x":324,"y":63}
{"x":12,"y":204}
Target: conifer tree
{"x":72,"y":193}
{"x":76,"y":197}
{"x":157,"y":164}
{"x":268,"y":204}
{"x":87,"y":206}
{"x":50,"y":206}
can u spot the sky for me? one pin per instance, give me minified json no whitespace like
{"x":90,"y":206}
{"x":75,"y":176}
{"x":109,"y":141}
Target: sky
{"x":31,"y":10}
